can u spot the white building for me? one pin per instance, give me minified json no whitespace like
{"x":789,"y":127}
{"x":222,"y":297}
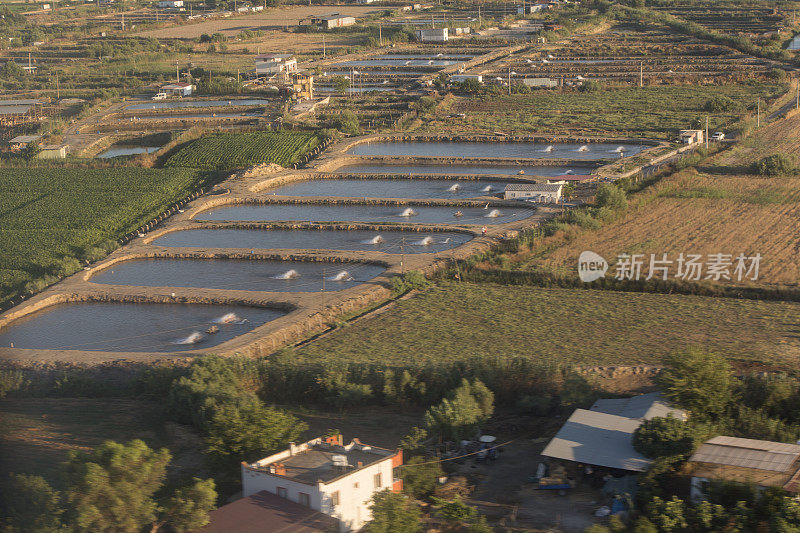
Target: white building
{"x":461,"y":78}
{"x":432,"y":35}
{"x":334,"y":20}
{"x":275,"y":63}
{"x":328,"y":477}
{"x":542,"y":192}
{"x":170,"y":4}
{"x":178,"y":89}
{"x":691,"y":136}
{"x":540,"y":82}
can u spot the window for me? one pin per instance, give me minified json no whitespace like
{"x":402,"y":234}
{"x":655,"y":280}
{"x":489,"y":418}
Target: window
{"x":281,"y":491}
{"x":335,"y":498}
{"x":378,"y":481}
{"x":304,"y":500}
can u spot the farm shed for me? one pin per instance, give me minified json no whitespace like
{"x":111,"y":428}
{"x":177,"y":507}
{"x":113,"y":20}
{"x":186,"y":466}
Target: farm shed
{"x":540,"y":82}
{"x":19,"y":111}
{"x":543,"y":192}
{"x":432,"y":35}
{"x":764,"y":463}
{"x":170,"y":4}
{"x":461,"y":78}
{"x":178,"y":89}
{"x":603,"y":435}
{"x":334,"y":20}
{"x":21,"y":141}
{"x":54,"y":151}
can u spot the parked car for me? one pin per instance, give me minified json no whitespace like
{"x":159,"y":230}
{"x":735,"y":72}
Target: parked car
{"x":718,"y":136}
{"x":160,"y":96}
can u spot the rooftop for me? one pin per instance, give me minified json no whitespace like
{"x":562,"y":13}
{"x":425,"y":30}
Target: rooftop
{"x":317,"y":460}
{"x":264,"y":511}
{"x":598,"y":439}
{"x":25,"y":139}
{"x":644,"y":406}
{"x":748,"y":453}
{"x":534,"y":187}
{"x":273,"y":57}
{"x":19,"y":102}
{"x":15,"y":109}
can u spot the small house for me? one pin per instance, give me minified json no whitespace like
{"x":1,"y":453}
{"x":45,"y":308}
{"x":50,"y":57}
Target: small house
{"x":303,"y":85}
{"x":547,"y":83}
{"x":541,"y":192}
{"x":332,"y":21}
{"x":178,"y":89}
{"x":432,"y":35}
{"x":170,"y":4}
{"x":691,"y":136}
{"x":530,"y":9}
{"x":461,"y":78}
{"x":275,"y":63}
{"x":763,"y":463}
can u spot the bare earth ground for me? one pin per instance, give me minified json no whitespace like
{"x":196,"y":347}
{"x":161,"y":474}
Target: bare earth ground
{"x":719,"y":208}
{"x":270,"y":19}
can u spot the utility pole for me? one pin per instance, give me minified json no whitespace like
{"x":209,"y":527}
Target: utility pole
{"x":58,"y":90}
{"x":641,"y":74}
{"x":323,"y":46}
{"x":706,"y":132}
{"x":177,"y":72}
{"x":509,"y":81}
{"x":123,"y":22}
{"x":480,"y":21}
{"x":380,"y":34}
{"x":758,"y":112}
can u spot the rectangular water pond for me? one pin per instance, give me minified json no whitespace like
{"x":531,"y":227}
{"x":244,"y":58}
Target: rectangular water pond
{"x":132,"y":327}
{"x":392,"y":188}
{"x":392,"y":242}
{"x":242,"y":274}
{"x":121,"y":151}
{"x":528,"y":150}
{"x":368,"y":213}
{"x":198,"y":103}
{"x":465,"y":170}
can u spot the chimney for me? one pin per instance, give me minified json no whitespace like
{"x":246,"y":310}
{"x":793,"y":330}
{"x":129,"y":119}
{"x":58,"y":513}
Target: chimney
{"x":279,"y":469}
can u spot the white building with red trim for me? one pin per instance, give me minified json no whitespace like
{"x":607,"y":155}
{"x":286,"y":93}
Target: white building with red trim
{"x":327,"y":476}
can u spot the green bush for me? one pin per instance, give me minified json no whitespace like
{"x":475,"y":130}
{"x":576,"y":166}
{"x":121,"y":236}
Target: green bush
{"x":611,"y":196}
{"x":775,"y":165}
{"x":721,"y":104}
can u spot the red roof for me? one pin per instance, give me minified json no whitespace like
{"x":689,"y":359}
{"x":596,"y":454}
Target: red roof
{"x":264,"y":512}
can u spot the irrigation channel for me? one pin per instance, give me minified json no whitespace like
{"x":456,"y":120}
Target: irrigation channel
{"x":273,"y":257}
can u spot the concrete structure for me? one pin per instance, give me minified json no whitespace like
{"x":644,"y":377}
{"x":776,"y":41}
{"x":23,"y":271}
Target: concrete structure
{"x":529,"y":9}
{"x":543,"y":192}
{"x":540,"y":82}
{"x":466,"y":30}
{"x":54,"y":151}
{"x":461,"y":78}
{"x":691,"y":136}
{"x":266,"y":512}
{"x":178,"y":89}
{"x":327,"y":476}
{"x":602,"y":436}
{"x":332,"y":21}
{"x":170,"y":4}
{"x":275,"y":63}
{"x":763,"y":463}
{"x":432,"y":35}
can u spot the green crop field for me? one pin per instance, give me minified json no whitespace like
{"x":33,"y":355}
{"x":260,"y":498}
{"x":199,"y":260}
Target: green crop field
{"x":229,"y":151}
{"x":461,"y":321}
{"x":52,"y":218}
{"x":650,"y":112}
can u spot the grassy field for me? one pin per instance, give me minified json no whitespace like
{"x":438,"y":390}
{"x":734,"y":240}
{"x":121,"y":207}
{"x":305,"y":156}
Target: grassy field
{"x":651,"y":112}
{"x":460,"y":321}
{"x":229,"y":151}
{"x":53,"y":218}
{"x":717,"y":208}
{"x":38,"y":433}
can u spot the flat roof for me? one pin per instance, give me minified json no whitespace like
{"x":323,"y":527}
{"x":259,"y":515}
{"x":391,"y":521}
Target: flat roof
{"x":598,"y":439}
{"x":14,"y":109}
{"x":748,"y":453}
{"x":264,"y":511}
{"x":316,"y":463}
{"x":25,"y":138}
{"x":19,"y":102}
{"x":534,"y":187}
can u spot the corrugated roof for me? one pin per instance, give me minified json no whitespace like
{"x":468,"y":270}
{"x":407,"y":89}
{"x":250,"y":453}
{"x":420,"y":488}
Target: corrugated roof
{"x":598,"y":439}
{"x":644,"y":406}
{"x":748,"y":453}
{"x":25,"y":138}
{"x":534,"y":187}
{"x":19,"y":102}
{"x":264,"y":511}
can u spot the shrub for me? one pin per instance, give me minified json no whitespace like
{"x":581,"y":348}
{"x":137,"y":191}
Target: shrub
{"x":721,"y":104}
{"x":611,"y":196}
{"x":665,"y":437}
{"x":698,"y":380}
{"x":590,"y":86}
{"x":775,"y":165}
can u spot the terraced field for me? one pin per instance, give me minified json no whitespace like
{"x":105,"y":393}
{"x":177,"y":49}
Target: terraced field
{"x":229,"y":151}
